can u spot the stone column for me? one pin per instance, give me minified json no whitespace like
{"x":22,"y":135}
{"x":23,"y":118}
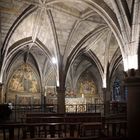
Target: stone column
{"x":106,"y":101}
{"x":1,"y":93}
{"x":1,"y":85}
{"x":60,"y":100}
{"x":132,"y":81}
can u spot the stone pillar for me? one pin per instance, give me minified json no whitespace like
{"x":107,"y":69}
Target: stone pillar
{"x":1,"y":84}
{"x":132,"y":81}
{"x":60,"y":100}
{"x":1,"y":93}
{"x":106,"y":101}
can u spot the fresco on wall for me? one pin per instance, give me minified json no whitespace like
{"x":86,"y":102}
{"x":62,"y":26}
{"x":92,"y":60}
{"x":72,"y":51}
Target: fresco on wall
{"x":27,"y":99}
{"x":24,"y":79}
{"x":24,"y":100}
{"x":50,"y":92}
{"x":86,"y":84}
{"x":23,"y":86}
{"x":87,"y":88}
{"x":70,"y":94}
{"x":51,"y":95}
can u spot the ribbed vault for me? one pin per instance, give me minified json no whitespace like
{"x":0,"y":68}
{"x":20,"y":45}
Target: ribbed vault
{"x":67,"y":30}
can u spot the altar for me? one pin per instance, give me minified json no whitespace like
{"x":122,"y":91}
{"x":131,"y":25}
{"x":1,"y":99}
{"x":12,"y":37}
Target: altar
{"x":75,"y":104}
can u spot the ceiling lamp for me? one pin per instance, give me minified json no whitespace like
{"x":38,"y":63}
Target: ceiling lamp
{"x":54,"y":60}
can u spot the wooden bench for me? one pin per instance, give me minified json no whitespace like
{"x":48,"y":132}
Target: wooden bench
{"x":67,"y":138}
{"x":42,"y":119}
{"x":87,"y":121}
{"x":51,"y":129}
{"x":92,"y":128}
{"x":117,"y":127}
{"x":90,"y":123}
{"x":44,"y":114}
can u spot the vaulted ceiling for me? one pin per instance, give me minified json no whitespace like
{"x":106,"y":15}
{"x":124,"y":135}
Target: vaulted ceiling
{"x":64,"y":29}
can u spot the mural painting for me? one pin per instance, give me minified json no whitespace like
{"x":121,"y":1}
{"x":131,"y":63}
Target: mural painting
{"x":87,"y":89}
{"x":23,"y":82}
{"x":51,"y":95}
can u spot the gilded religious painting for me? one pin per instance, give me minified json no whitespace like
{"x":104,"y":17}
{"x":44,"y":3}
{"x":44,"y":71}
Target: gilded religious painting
{"x":23,"y":86}
{"x":24,"y":100}
{"x":70,"y":94}
{"x":51,"y":95}
{"x":24,"y":80}
{"x":51,"y":92}
{"x":87,"y":89}
{"x":27,"y":99}
{"x":86,"y":85}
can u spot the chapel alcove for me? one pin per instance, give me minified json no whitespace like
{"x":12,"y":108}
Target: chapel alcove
{"x":23,"y":86}
{"x":86,"y":94}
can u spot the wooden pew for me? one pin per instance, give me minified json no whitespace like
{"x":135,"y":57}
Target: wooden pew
{"x":83,"y":114}
{"x":88,"y":121}
{"x":44,"y":114}
{"x":115,"y":124}
{"x":64,"y":129}
{"x":117,"y":127}
{"x":47,"y":119}
{"x":67,"y":138}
